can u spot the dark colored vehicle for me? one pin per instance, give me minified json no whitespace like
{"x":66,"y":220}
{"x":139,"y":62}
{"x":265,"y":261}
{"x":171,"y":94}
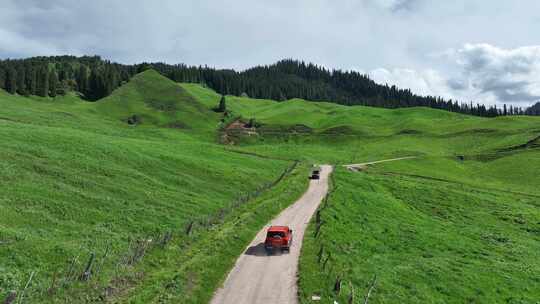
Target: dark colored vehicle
{"x":278,"y":237}
{"x":316,"y":174}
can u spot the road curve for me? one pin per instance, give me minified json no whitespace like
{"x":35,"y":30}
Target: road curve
{"x":260,"y":278}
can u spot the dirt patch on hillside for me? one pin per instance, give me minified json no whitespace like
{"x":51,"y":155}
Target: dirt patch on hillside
{"x":236,"y":125}
{"x":242,"y":127}
{"x":233,"y":132}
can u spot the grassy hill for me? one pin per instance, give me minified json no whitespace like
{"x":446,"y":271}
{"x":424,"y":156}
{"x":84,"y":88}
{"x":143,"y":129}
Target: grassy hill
{"x":139,"y":181}
{"x":78,"y":180}
{"x":361,"y":120}
{"x":150,"y":99}
{"x":341,"y":134}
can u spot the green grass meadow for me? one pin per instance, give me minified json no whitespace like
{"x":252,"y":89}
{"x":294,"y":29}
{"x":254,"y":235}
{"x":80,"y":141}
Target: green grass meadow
{"x":430,"y":231}
{"x":141,"y":182}
{"x":77,"y":179}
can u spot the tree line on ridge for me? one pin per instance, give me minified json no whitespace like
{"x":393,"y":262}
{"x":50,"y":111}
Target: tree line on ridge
{"x":95,"y":78}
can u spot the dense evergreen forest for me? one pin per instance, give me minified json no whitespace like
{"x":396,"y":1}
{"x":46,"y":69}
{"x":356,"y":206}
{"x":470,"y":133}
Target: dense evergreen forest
{"x":95,"y":78}
{"x":92,"y":77}
{"x":533,"y":110}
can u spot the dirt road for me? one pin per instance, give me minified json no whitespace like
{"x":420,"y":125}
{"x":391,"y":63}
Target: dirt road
{"x":361,"y":166}
{"x":260,"y":278}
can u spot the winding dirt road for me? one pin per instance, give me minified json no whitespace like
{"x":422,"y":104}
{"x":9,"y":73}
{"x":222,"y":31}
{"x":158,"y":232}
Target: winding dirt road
{"x":260,"y":278}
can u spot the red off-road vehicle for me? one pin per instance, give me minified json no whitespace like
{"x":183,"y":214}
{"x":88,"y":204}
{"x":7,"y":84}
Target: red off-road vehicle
{"x":278,"y":237}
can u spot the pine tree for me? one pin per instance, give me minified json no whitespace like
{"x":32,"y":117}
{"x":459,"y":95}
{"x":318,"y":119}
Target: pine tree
{"x":11,"y":81}
{"x":21,"y":81}
{"x":31,"y":80}
{"x":222,"y":107}
{"x":2,"y":78}
{"x":82,"y":80}
{"x":43,"y":82}
{"x":53,"y":83}
{"x":95,"y":87}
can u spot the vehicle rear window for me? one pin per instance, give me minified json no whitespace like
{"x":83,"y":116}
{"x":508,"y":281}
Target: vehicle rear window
{"x":272,"y":234}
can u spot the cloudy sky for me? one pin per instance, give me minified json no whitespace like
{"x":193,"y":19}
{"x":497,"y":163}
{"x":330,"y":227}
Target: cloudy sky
{"x":482,"y":50}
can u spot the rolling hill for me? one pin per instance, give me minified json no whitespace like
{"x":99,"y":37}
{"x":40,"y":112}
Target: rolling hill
{"x":139,"y":181}
{"x":79,"y":181}
{"x":357,"y":132}
{"x":149,"y":99}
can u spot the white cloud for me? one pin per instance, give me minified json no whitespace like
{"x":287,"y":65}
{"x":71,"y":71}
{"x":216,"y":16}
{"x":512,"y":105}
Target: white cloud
{"x":426,"y":82}
{"x":368,"y":34}
{"x":511,"y":75}
{"x":483,"y":73}
{"x":14,"y":43}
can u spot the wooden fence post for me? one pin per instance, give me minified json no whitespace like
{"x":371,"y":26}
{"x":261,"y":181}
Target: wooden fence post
{"x":337,"y":285}
{"x":351,"y":295}
{"x":366,"y":298}
{"x":88,"y":270}
{"x":26,"y":286}
{"x":326,"y":261}
{"x":320,"y":254}
{"x":189,"y":228}
{"x":52,"y":288}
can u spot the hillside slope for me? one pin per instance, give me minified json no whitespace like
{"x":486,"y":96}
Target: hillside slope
{"x":150,"y":99}
{"x":348,"y":134}
{"x":425,"y":230}
{"x":78,"y":181}
{"x":361,"y":120}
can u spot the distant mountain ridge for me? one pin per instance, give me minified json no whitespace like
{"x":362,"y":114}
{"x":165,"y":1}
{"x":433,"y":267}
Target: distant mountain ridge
{"x":96,"y":78}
